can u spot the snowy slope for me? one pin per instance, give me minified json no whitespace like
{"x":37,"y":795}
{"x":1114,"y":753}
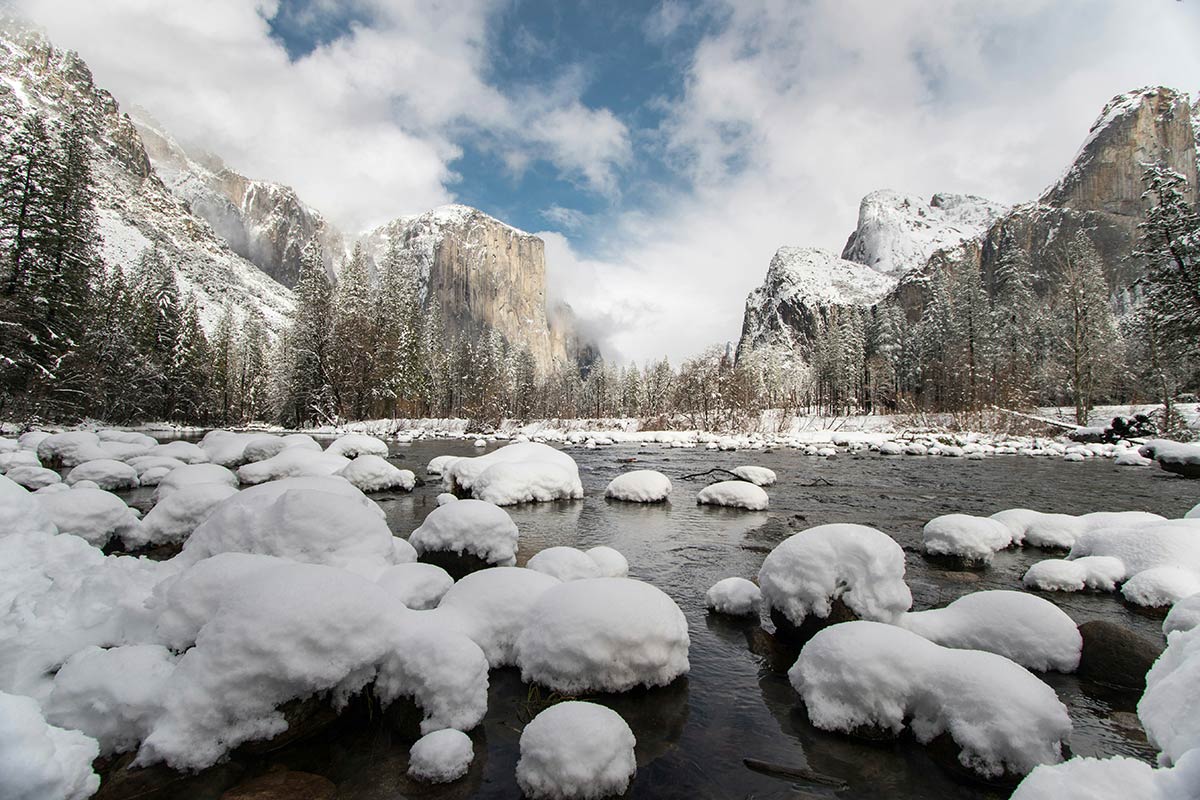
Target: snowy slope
{"x":899,"y":232}
{"x":802,"y":286}
{"x":134,"y":206}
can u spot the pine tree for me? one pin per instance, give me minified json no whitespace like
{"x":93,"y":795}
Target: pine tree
{"x":223,"y":363}
{"x":310,"y":341}
{"x":191,"y":361}
{"x":353,"y":331}
{"x":1014,"y":320}
{"x":1088,"y":340}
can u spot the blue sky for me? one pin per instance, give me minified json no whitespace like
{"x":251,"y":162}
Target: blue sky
{"x":663,"y":149}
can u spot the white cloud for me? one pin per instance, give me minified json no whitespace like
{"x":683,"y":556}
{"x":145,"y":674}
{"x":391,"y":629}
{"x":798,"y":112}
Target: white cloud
{"x":567,"y":219}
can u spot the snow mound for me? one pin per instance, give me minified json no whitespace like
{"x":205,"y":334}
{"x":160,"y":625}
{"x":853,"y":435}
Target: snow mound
{"x":187,"y":452}
{"x":1183,"y":616}
{"x":611,"y":563}
{"x":1102,"y":573}
{"x":1170,"y":707}
{"x":353,"y":445}
{"x":111,"y":695}
{"x":473,"y":527}
{"x":1160,"y":586}
{"x":1168,"y":551}
{"x":860,"y":566}
{"x":521,"y":472}
{"x":576,"y":751}
{"x":964,"y":536}
{"x":417,"y":586}
{"x":152,"y":469}
{"x":603,"y":634}
{"x":23,"y":512}
{"x":106,"y":473}
{"x":565,"y":563}
{"x":441,"y":756}
{"x":264,"y":446}
{"x":33,"y":477}
{"x":759,"y":476}
{"x":292,"y":462}
{"x":734,"y":494}
{"x":1027,"y":629}
{"x":1115,"y":778}
{"x":227,"y":448}
{"x":373,"y":473}
{"x":492,"y":607}
{"x":445,"y":497}
{"x":18,"y":458}
{"x":93,"y":515}
{"x":439,"y":463}
{"x":1003,"y":718}
{"x":70,"y":449}
{"x":1172,"y":456}
{"x":39,"y":761}
{"x":176,"y":516}
{"x":639,"y":486}
{"x":1040,"y":529}
{"x":736,"y":596}
{"x":192,"y":475}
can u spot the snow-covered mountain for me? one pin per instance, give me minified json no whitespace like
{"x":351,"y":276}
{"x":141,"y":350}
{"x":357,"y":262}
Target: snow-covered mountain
{"x":899,"y":232}
{"x":134,"y":206}
{"x":265,"y":223}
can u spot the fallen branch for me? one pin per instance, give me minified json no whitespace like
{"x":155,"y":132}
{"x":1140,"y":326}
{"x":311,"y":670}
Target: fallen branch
{"x":785,"y":771}
{"x":705,"y":474}
{"x":1053,"y":422}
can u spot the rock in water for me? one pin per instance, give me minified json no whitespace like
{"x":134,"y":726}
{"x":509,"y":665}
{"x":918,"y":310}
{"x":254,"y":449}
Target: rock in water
{"x":1115,"y":656}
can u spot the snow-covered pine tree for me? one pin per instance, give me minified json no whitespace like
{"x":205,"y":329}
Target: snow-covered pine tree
{"x":191,"y":364}
{"x":353,"y":334}
{"x":1014,"y":320}
{"x":310,"y":341}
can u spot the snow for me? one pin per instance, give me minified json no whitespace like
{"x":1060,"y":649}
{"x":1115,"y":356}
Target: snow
{"x":441,"y":756}
{"x":21,"y":511}
{"x":1132,"y":458}
{"x":106,"y":473}
{"x":297,"y":520}
{"x":565,"y":563}
{"x":445,"y":497}
{"x":759,"y":476}
{"x":193,"y":475}
{"x":1025,"y":628}
{"x":1003,"y":718}
{"x":639,"y":486}
{"x":152,"y":469}
{"x":734,"y":494}
{"x":39,"y":761}
{"x":70,"y":449}
{"x":1170,"y":707}
{"x":94,"y":515}
{"x":576,"y":751}
{"x":1160,"y":586}
{"x":372,"y":473}
{"x":603,"y":634}
{"x":187,"y":452}
{"x":33,"y":477}
{"x":111,"y":695}
{"x":18,"y":458}
{"x":1115,"y":778}
{"x":1172,"y":456}
{"x":226,"y":447}
{"x":417,"y":586}
{"x":610,"y":562}
{"x":1039,"y":529}
{"x":492,"y":607}
{"x":472,"y":527}
{"x":736,"y":596}
{"x":1088,"y":572}
{"x":861,"y":566}
{"x":964,"y":536}
{"x":174,"y":517}
{"x":126,"y":437}
{"x":1183,"y":616}
{"x":438,"y":463}
{"x":1161,"y":559}
{"x":292,"y":462}
{"x":517,"y":473}
{"x":357,"y":444}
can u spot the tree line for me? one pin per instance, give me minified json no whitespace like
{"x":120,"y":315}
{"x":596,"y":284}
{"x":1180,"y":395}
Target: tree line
{"x":79,"y":339}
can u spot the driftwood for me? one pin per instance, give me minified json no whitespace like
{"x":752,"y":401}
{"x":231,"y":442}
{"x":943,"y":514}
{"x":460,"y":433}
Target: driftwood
{"x":797,"y":773}
{"x":698,"y":475}
{"x":1052,"y":422}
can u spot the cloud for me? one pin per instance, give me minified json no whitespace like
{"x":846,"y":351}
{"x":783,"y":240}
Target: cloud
{"x":567,"y":219}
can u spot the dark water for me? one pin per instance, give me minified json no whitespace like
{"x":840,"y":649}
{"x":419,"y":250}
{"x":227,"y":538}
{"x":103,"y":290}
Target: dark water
{"x":736,"y":702}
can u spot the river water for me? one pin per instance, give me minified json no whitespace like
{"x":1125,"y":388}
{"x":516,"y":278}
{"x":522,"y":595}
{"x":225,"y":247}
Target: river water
{"x":736,"y":703}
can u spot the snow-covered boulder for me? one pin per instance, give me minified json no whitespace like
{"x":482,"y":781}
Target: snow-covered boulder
{"x":1132,"y":458}
{"x":736,"y":596}
{"x":857,"y":565}
{"x":33,"y":478}
{"x":18,"y":458}
{"x":576,"y":751}
{"x":70,"y":449}
{"x":974,"y":539}
{"x":441,"y":756}
{"x":759,"y":476}
{"x":106,"y":473}
{"x":21,"y":511}
{"x":469,"y":527}
{"x":1025,"y":628}
{"x":1102,"y":573}
{"x":438,"y":463}
{"x":193,"y":475}
{"x":126,"y":437}
{"x":734,"y":494}
{"x":1178,"y":457}
{"x":445,"y":497}
{"x":610,"y":562}
{"x":152,"y":469}
{"x":1161,"y":586}
{"x":111,"y":695}
{"x":226,"y":447}
{"x":639,"y":486}
{"x":492,"y":607}
{"x":870,"y":675}
{"x":418,"y":586}
{"x":603,"y":634}
{"x":521,"y":472}
{"x":1183,"y":616}
{"x":39,"y":761}
{"x":1170,"y":708}
{"x":565,"y":563}
{"x":373,"y":473}
{"x":186,"y":452}
{"x":31,"y":439}
{"x":1167,"y":551}
{"x":292,"y":462}
{"x":174,"y":517}
{"x":353,"y":445}
{"x":1039,"y":529}
{"x":93,"y":515}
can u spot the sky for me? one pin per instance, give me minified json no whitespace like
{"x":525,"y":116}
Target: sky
{"x":663,"y":149}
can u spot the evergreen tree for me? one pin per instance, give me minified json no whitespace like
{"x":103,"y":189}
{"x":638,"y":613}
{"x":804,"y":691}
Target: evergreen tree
{"x":310,"y":341}
{"x":1088,"y":339}
{"x":1014,"y":322}
{"x":353,"y":336}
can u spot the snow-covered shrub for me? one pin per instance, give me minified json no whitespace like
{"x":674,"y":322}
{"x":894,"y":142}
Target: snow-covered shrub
{"x":734,"y":494}
{"x":871,"y":675}
{"x":441,"y":756}
{"x":736,"y":596}
{"x":603,"y":634}
{"x":576,"y":751}
{"x":639,"y":486}
{"x":858,"y":565}
{"x":471,"y":527}
{"x":1031,"y":631}
{"x":372,"y":473}
{"x":39,"y":761}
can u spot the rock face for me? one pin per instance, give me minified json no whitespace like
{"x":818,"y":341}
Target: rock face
{"x":265,"y":223}
{"x":481,"y":274}
{"x":134,"y":206}
{"x":898,"y":232}
{"x":802,"y":288}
